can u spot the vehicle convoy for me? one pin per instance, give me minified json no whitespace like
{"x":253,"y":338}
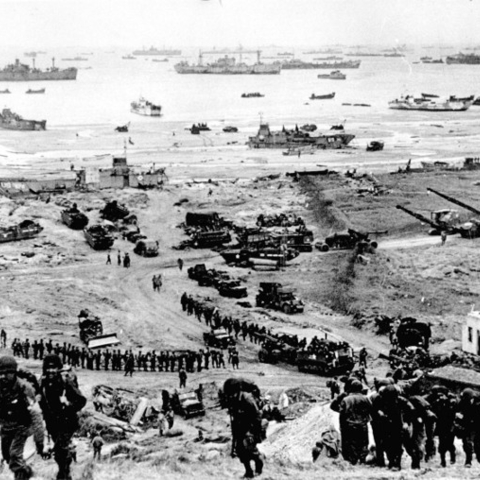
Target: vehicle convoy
{"x":470,"y":229}
{"x":274,"y":296}
{"x":187,"y":404}
{"x":146,"y":248}
{"x":218,"y":338}
{"x":349,"y":240}
{"x":326,"y":357}
{"x":22,"y":231}
{"x":73,"y":218}
{"x":226,"y":286}
{"x":98,"y":237}
{"x":440,"y":220}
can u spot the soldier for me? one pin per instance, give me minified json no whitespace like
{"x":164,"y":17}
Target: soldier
{"x":97,"y":444}
{"x":109,"y":259}
{"x":235,"y":359}
{"x":180,"y":264}
{"x":17,"y":398}
{"x":242,"y":400}
{"x":126,"y":260}
{"x":182,"y":375}
{"x":3,"y":338}
{"x":468,"y":407}
{"x":129,"y":365}
{"x":60,"y":400}
{"x":355,"y":414}
{"x":334,"y":387}
{"x":362,"y":357}
{"x":41,"y":349}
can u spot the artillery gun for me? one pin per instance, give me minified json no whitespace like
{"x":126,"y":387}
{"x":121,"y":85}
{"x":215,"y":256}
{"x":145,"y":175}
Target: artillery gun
{"x":440,"y":221}
{"x":470,"y":229}
{"x":349,"y":240}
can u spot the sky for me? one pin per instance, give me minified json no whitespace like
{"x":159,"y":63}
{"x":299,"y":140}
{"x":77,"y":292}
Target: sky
{"x":229,"y":23}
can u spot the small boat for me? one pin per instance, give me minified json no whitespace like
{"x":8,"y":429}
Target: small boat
{"x":40,"y":90}
{"x":375,"y":146}
{"x":5,"y":91}
{"x":159,"y":60}
{"x":328,"y":96}
{"x":334,"y":75}
{"x":146,"y":108}
{"x":199,"y":127}
{"x":252,"y":95}
{"x":451,"y":104}
{"x":230,"y":129}
{"x":129,"y":57}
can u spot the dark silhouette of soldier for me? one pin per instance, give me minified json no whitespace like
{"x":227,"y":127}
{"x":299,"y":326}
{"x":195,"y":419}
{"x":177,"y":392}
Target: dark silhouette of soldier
{"x":60,"y":400}
{"x":242,"y":399}
{"x":16,"y":399}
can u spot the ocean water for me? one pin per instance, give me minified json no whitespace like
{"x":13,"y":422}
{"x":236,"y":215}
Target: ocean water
{"x":102,"y":95}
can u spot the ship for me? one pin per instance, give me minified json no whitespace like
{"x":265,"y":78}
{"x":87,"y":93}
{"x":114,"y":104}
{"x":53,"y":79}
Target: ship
{"x":146,"y":108}
{"x":5,"y":91}
{"x":428,"y":104}
{"x":295,"y":138}
{"x":75,"y":59}
{"x":252,"y":95}
{"x":19,"y":72}
{"x":22,"y":231}
{"x":229,"y":66}
{"x":334,"y":75}
{"x":129,"y":57}
{"x":155,"y":51}
{"x":73,"y":218}
{"x":463,"y":59}
{"x":12,"y":121}
{"x":40,"y":90}
{"x":296,"y":64}
{"x":327,"y":96}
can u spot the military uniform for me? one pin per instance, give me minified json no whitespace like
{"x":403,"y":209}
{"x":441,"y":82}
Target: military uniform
{"x":16,"y":399}
{"x":60,"y":401}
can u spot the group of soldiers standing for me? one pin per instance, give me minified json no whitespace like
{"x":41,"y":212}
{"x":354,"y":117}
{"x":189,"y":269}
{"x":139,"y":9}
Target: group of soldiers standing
{"x":403,"y":421}
{"x":127,"y":360}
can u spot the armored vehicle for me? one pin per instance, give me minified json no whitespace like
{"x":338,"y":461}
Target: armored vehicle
{"x":98,"y":237}
{"x":187,"y":404}
{"x":73,"y":218}
{"x":114,"y":211}
{"x":22,"y":231}
{"x":90,"y":325}
{"x":275,"y":350}
{"x":218,"y":338}
{"x":328,"y":358}
{"x":273,"y":295}
{"x":146,"y":248}
{"x":232,"y":289}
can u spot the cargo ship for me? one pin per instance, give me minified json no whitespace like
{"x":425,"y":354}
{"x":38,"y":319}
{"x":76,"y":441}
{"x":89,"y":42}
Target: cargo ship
{"x":155,"y":51}
{"x":296,"y":64}
{"x":463,"y":59}
{"x":428,"y":104}
{"x":19,"y":72}
{"x":146,"y":108}
{"x":12,"y":121}
{"x":229,"y":66}
{"x":295,"y":138}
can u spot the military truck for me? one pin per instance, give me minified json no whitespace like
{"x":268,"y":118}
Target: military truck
{"x":276,"y":297}
{"x":412,"y":333}
{"x":329,"y":358}
{"x":348,"y":241}
{"x":218,"y":338}
{"x":146,"y":248}
{"x":187,"y":404}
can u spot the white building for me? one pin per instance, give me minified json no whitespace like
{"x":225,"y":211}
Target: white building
{"x":471,"y":333}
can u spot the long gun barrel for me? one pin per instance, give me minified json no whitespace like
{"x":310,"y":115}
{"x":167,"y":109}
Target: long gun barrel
{"x":422,"y":218}
{"x":454,"y":200}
